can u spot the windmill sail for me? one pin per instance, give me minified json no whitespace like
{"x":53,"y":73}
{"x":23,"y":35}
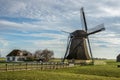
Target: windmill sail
{"x":67,"y":49}
{"x":83,"y":19}
{"x":96,"y":29}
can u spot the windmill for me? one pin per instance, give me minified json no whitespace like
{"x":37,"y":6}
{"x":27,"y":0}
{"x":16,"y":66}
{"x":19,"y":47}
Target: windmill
{"x":78,"y":44}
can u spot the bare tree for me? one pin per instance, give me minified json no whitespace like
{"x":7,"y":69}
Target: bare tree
{"x":47,"y":54}
{"x":37,"y":54}
{"x":29,"y":56}
{"x":44,"y":55}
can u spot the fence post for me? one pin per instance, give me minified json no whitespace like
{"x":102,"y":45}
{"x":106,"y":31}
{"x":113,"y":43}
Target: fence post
{"x":57,"y":65}
{"x":41,"y":66}
{"x":20,"y":65}
{"x":50,"y":65}
{"x":53,"y":65}
{"x":13,"y":67}
{"x":6,"y":67}
{"x":67,"y":64}
{"x":26,"y":66}
{"x":60,"y":65}
{"x":31,"y":65}
{"x":63,"y":64}
{"x":37,"y":65}
{"x":46,"y":65}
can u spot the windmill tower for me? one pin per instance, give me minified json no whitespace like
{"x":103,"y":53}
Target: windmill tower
{"x":78,"y":44}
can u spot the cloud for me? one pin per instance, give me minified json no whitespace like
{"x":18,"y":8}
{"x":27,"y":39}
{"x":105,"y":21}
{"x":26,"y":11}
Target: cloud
{"x":49,"y":10}
{"x":117,"y":24}
{"x":8,"y":23}
{"x":112,"y":12}
{"x":4,"y":42}
{"x":58,"y":46}
{"x":109,"y":40}
{"x":16,"y":7}
{"x":21,"y":26}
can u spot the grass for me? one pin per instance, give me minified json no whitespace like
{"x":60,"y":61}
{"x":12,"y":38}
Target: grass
{"x":97,"y":72}
{"x":45,"y":75}
{"x":2,"y":59}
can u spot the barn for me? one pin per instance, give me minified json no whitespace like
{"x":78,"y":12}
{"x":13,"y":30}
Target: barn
{"x":118,"y":58}
{"x":16,"y":56}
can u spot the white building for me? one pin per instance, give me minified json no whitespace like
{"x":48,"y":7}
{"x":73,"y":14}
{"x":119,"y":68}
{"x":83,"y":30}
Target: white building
{"x":16,"y":56}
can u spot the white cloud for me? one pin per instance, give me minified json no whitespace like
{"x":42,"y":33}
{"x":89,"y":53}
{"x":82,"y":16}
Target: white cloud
{"x":49,"y":10}
{"x":16,"y":7}
{"x":4,"y":42}
{"x":110,"y":11}
{"x":58,"y":46}
{"x":8,"y":23}
{"x":116,"y":24}
{"x":110,"y":39}
{"x":49,"y":35}
{"x":23,"y":26}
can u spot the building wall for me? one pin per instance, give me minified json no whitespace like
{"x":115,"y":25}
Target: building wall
{"x":118,"y":58}
{"x":15,"y":58}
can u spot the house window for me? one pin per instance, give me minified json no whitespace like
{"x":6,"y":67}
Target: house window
{"x":13,"y":58}
{"x":20,"y":59}
{"x":8,"y":59}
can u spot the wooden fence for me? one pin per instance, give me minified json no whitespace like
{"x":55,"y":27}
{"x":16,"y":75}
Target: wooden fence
{"x":31,"y":66}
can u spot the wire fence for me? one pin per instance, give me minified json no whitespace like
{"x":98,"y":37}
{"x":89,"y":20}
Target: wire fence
{"x":31,"y":66}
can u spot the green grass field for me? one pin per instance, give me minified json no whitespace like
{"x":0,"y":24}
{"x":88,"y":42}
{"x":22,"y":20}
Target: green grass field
{"x":108,"y":71}
{"x":2,"y":59}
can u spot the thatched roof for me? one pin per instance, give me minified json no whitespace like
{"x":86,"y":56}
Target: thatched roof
{"x":17,"y":52}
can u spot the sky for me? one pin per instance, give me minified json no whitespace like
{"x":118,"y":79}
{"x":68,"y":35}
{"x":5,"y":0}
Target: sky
{"x":37,"y":24}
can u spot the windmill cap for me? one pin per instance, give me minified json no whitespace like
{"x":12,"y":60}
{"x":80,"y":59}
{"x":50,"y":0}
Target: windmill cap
{"x":79,"y":34}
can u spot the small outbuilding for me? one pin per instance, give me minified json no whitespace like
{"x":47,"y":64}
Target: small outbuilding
{"x":118,"y":58}
{"x":16,"y":56}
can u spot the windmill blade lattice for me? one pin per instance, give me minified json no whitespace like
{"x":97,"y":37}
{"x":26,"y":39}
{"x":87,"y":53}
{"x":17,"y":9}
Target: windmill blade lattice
{"x":83,"y":20}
